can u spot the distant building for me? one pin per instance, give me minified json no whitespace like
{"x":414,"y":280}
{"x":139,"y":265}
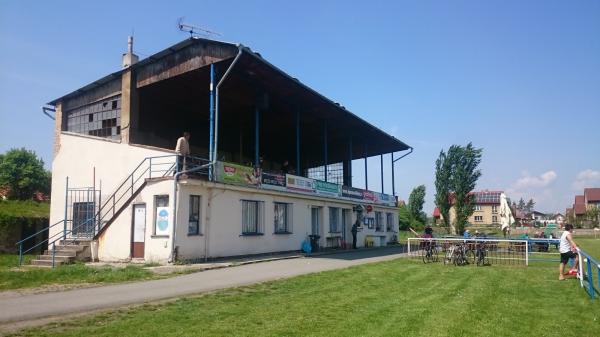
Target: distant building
{"x":591,"y":197}
{"x":491,"y":208}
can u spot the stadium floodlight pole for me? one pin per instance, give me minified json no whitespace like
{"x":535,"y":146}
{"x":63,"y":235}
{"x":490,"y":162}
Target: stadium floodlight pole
{"x":393,"y":162}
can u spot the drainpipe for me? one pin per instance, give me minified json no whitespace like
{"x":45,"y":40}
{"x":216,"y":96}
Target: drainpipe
{"x":216,"y":140}
{"x":174,"y":233}
{"x":393,"y":162}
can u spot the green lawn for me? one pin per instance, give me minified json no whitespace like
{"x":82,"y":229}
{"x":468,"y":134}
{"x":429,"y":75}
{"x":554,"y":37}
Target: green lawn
{"x":12,"y":277}
{"x":590,"y":245}
{"x":396,"y":298}
{"x":26,"y":209}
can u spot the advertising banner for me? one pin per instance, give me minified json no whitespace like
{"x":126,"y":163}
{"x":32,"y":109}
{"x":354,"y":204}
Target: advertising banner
{"x":162,"y":221}
{"x":352,"y":192}
{"x":368,"y":195}
{"x":237,"y":174}
{"x":385,"y":199}
{"x":273,"y":181}
{"x":328,"y":189}
{"x":296,"y":183}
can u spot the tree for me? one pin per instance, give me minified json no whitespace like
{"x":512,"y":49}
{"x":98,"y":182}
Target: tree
{"x":443,"y":174}
{"x":464,"y":180}
{"x":23,"y":172}
{"x":530,"y":206}
{"x":521,"y":206}
{"x":415,"y":203}
{"x":593,"y":215}
{"x":404,"y":218}
{"x":456,"y":175}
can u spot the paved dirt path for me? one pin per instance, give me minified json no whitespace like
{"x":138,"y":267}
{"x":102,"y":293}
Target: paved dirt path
{"x":36,"y":306}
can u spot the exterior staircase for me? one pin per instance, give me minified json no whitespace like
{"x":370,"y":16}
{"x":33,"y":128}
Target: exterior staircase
{"x":64,"y":253}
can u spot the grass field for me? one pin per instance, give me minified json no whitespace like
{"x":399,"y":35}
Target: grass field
{"x":396,"y":298}
{"x":12,"y":277}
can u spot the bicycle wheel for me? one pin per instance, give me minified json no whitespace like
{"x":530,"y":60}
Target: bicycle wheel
{"x":447,"y":256}
{"x":469,"y":256}
{"x":435,"y":253}
{"x":424,"y":254}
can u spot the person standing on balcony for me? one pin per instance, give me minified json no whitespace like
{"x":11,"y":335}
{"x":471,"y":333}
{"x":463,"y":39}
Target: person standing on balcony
{"x":183,"y":150}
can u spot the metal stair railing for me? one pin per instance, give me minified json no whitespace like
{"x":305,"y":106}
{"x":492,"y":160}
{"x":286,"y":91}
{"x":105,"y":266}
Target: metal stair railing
{"x":157,"y":166}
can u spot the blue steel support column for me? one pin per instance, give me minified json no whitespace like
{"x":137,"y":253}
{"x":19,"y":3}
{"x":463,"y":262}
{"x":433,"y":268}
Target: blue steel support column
{"x":393,"y":182}
{"x":298,"y":142}
{"x":325,"y":147}
{"x":211,"y":136}
{"x":350,"y":162}
{"x":257,"y":137}
{"x":366,"y":170}
{"x":381,"y":165}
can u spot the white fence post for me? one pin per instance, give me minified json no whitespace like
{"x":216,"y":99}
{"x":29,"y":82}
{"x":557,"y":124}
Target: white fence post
{"x":526,"y":253}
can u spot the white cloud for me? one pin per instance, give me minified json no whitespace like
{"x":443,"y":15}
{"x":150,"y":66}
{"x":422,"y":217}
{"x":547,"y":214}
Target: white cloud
{"x":530,"y":182}
{"x":537,"y":187}
{"x":586,"y":178}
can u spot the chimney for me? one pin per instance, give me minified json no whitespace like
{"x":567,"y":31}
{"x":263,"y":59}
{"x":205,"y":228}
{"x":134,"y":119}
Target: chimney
{"x":129,"y":58}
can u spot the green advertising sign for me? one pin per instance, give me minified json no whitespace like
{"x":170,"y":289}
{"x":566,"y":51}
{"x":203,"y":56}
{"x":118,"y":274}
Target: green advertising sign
{"x":325,"y":188}
{"x":237,"y":174}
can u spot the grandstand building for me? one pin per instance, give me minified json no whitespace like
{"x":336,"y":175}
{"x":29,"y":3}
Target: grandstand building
{"x":119,"y":187}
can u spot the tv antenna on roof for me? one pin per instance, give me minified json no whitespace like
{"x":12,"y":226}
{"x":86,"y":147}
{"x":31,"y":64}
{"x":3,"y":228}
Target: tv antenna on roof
{"x":195,"y":31}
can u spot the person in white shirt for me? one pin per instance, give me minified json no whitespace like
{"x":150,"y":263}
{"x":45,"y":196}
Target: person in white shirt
{"x":183,"y":150}
{"x":568,"y":250}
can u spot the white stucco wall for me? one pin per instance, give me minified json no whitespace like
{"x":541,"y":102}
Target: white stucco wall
{"x":77,"y":158}
{"x":221,"y":225}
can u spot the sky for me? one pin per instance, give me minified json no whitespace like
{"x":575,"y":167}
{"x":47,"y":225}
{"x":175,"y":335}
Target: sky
{"x":519,"y":79}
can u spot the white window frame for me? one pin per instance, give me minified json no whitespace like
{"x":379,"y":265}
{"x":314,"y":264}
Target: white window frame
{"x":378,"y":221}
{"x":478,"y":218}
{"x":334,"y":220}
{"x":253,"y":220}
{"x":195,"y":222}
{"x":286,"y":227}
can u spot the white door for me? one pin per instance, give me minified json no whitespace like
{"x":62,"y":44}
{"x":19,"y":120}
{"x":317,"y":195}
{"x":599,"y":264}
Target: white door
{"x":139,"y":230}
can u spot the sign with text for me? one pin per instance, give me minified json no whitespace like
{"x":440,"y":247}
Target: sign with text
{"x":296,"y":183}
{"x":273,"y":181}
{"x":237,"y":174}
{"x":328,"y":189}
{"x":352,"y":192}
{"x":162,"y":221}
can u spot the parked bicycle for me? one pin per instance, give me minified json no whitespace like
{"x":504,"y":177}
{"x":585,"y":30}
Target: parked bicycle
{"x":429,"y":252}
{"x":481,"y":254}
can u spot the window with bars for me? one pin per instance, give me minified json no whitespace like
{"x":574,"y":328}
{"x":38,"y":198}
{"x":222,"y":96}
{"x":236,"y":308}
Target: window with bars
{"x":100,"y":119}
{"x":389,"y":222}
{"x":335,"y":173}
{"x":252,"y":217}
{"x":282,"y":218}
{"x":378,"y":222}
{"x":334,"y":220}
{"x":194,"y":215}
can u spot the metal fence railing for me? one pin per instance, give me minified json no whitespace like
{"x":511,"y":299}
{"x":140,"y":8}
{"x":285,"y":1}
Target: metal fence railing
{"x":474,"y":251}
{"x":588,"y":266}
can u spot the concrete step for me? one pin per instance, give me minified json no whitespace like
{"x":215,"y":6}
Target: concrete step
{"x":61,"y":258}
{"x":73,"y":248}
{"x":45,"y":263}
{"x":62,"y":252}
